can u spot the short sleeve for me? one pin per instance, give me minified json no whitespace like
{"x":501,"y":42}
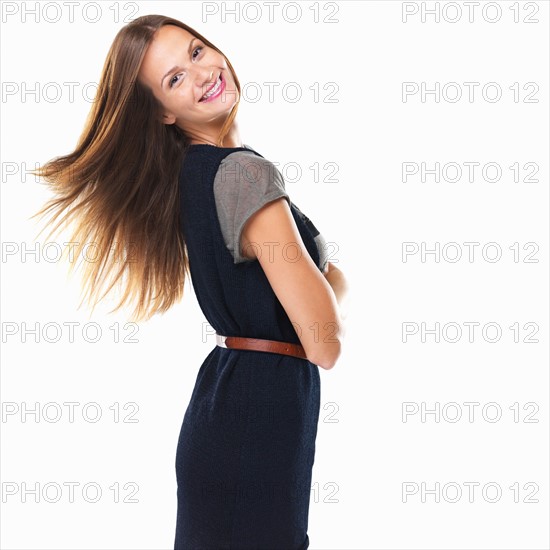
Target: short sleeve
{"x":243,"y":184}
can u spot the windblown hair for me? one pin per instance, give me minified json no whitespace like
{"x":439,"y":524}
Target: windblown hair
{"x":120,"y":185}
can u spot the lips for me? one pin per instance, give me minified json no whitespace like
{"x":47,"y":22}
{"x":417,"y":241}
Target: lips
{"x":214,"y":90}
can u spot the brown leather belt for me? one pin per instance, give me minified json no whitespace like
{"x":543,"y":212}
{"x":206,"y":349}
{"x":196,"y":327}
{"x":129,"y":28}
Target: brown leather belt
{"x":258,"y":344}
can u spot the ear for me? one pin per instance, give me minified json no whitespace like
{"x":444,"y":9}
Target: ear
{"x":168,"y":119}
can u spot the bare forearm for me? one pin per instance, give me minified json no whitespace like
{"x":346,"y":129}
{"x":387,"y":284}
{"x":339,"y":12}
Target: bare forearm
{"x":339,"y":285}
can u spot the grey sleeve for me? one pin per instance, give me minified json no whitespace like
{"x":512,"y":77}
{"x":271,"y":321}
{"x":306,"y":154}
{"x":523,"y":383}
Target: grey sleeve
{"x":243,"y":184}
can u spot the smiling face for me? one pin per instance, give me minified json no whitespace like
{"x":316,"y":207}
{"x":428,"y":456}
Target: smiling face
{"x":191,"y":80}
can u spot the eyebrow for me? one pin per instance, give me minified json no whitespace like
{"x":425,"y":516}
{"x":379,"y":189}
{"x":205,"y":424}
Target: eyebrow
{"x":174,"y":68}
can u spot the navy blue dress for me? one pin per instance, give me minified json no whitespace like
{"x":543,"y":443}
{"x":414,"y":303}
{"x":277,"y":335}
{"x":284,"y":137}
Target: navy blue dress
{"x":247,"y":443}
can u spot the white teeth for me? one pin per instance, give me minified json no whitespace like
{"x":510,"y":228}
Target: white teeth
{"x":213,"y":90}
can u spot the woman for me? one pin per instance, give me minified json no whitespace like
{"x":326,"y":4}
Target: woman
{"x":160,"y":173}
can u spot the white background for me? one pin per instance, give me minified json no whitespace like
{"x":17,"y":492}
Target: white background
{"x":366,"y":453}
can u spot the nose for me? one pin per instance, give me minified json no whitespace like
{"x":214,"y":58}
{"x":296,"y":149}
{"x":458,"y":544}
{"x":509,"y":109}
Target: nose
{"x":205,"y":79}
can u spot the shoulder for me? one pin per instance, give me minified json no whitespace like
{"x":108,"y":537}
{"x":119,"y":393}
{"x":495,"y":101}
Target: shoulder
{"x":245,"y":168}
{"x":248,"y":178}
{"x":244,"y":183}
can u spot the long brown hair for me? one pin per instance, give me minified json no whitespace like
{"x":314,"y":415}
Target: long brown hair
{"x":120,"y":185}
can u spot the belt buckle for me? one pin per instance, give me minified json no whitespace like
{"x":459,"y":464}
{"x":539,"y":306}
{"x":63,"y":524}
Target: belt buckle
{"x":220,"y":340}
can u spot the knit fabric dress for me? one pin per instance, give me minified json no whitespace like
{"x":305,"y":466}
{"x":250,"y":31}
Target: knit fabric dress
{"x":247,"y":443}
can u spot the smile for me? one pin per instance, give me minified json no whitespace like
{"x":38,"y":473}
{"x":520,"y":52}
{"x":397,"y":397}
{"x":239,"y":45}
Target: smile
{"x":214,"y":91}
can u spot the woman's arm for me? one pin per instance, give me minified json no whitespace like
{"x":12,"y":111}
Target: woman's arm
{"x":339,"y":285}
{"x":304,"y":293}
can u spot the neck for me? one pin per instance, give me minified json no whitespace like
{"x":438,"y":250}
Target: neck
{"x":231,"y":139}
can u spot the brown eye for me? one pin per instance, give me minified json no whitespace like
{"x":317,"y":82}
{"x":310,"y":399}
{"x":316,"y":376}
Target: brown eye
{"x":172,"y":81}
